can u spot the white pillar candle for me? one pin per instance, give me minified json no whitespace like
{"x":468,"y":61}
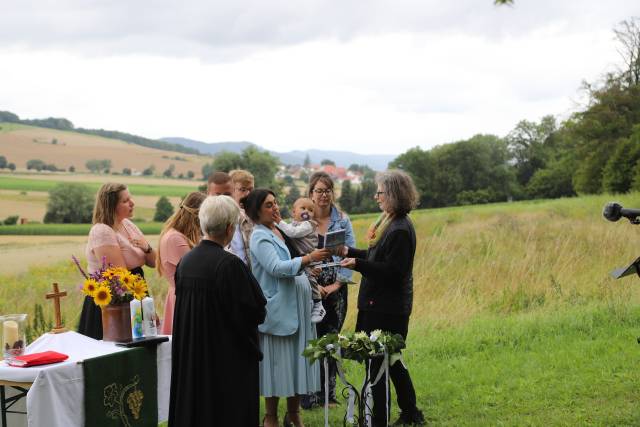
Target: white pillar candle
{"x":10,"y":332}
{"x":149,"y":316}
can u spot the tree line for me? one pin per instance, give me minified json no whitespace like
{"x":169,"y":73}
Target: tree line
{"x":595,"y":150}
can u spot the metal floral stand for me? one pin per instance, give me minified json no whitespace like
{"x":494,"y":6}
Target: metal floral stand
{"x":359,"y":401}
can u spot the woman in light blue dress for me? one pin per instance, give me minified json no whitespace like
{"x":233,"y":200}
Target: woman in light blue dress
{"x":287,"y":328}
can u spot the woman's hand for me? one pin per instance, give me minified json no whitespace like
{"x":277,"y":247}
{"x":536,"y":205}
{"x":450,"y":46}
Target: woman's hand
{"x":277,"y":218}
{"x":319,"y":254}
{"x":329,"y":289}
{"x":141,"y":243}
{"x":349,"y":263}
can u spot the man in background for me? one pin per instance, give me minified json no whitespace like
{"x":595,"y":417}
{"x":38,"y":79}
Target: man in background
{"x":219,"y":184}
{"x":242,"y":183}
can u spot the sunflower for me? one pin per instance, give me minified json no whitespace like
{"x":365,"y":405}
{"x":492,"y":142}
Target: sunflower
{"x":102,"y":296}
{"x":109,"y":273}
{"x":139,"y":289}
{"x":89,"y":287}
{"x":127,"y":280}
{"x":120,"y":271}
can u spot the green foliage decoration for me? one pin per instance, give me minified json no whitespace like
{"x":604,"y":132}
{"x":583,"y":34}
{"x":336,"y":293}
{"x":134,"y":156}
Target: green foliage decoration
{"x":358,"y":346}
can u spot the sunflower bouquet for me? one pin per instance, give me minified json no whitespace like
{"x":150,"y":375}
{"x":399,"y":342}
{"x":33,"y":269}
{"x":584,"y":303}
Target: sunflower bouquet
{"x":112,"y":285}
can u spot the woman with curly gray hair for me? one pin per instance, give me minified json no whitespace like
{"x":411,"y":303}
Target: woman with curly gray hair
{"x":386,"y":291}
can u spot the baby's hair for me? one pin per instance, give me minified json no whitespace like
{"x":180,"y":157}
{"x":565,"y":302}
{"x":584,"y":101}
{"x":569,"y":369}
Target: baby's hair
{"x":307,"y":201}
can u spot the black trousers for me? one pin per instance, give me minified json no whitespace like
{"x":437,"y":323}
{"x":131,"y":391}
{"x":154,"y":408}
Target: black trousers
{"x":397,"y":324}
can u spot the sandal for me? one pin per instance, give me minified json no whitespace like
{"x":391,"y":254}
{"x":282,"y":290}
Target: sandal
{"x":273,"y":418}
{"x":286,"y":422}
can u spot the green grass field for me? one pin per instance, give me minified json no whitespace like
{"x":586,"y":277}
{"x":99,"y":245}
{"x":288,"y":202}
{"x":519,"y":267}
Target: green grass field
{"x":8,"y":182}
{"x":516,"y":320}
{"x":67,"y":229}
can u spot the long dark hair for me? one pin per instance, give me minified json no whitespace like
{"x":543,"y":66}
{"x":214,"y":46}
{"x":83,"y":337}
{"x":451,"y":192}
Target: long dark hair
{"x":253,"y":202}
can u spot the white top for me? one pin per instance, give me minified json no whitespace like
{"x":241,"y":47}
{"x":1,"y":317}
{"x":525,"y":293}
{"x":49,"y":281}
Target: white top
{"x":295,"y":230}
{"x":237,"y":245}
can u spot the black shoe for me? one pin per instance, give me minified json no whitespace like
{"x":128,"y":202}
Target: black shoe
{"x":406,"y":419}
{"x":309,"y":401}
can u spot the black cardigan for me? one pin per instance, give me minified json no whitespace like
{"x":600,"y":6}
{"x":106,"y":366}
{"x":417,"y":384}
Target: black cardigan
{"x":387,"y":270}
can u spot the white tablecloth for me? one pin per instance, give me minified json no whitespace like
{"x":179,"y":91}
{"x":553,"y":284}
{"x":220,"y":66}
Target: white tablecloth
{"x":56,"y":397}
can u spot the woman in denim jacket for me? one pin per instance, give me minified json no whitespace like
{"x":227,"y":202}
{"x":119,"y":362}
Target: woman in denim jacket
{"x":333,"y":283}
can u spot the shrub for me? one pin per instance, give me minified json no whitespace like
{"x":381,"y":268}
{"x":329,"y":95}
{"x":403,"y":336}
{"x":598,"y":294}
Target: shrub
{"x":11,"y":220}
{"x":164,"y":209}
{"x":36,"y":164}
{"x":69,"y":203}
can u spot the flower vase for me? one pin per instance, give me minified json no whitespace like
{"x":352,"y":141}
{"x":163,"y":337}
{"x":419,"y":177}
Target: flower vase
{"x":116,"y":322}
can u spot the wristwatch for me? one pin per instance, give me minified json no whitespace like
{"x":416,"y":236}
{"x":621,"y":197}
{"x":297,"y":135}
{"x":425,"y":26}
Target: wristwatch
{"x":148,"y":250}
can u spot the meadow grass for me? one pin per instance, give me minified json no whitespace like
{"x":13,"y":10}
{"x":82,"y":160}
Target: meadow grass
{"x":67,"y":229}
{"x":8,"y":182}
{"x":515,"y":321}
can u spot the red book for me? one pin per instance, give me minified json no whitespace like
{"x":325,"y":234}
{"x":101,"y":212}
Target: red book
{"x":34,"y":359}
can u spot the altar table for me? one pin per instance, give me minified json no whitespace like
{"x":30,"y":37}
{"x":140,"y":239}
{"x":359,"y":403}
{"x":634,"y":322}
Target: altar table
{"x":56,"y":392}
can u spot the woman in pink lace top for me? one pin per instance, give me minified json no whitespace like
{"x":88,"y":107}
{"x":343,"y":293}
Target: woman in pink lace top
{"x":180,"y":234}
{"x":117,"y":239}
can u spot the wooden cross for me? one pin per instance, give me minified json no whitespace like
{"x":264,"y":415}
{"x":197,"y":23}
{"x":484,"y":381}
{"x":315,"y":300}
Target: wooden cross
{"x":56,"y":295}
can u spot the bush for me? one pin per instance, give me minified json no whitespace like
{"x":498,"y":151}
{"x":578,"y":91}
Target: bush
{"x":69,"y":203}
{"x":72,"y":168}
{"x":97,"y":166}
{"x":36,"y":164}
{"x":12,"y":166}
{"x":149,"y":171}
{"x":3,"y":162}
{"x":164,"y":210}
{"x":475,"y":197}
{"x":11,"y":220}
{"x":551,"y":183}
{"x":126,"y":171}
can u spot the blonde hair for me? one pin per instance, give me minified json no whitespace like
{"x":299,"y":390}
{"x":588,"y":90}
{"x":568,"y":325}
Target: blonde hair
{"x":241,"y":176}
{"x":304,"y":201}
{"x":185,"y":220}
{"x":107,"y":198}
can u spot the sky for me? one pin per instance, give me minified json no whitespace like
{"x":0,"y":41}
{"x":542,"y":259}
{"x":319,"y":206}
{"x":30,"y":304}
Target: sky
{"x":368,"y":76}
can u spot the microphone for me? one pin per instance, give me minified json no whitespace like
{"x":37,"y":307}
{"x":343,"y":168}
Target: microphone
{"x":613,"y":211}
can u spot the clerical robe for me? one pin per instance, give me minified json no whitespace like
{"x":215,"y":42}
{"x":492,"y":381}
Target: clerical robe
{"x":215,"y":349}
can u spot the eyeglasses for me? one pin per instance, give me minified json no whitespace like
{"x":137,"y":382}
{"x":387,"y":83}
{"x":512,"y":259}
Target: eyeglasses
{"x":320,"y":192}
{"x":378,"y":193}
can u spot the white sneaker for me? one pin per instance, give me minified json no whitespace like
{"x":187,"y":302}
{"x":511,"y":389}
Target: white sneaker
{"x":317,"y":312}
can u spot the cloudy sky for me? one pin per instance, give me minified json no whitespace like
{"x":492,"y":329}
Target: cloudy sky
{"x":370,"y":76}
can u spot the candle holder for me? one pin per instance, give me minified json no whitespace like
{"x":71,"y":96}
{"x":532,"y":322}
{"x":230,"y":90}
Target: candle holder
{"x":14,"y":340}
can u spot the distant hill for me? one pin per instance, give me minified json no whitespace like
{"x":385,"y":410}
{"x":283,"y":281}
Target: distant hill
{"x":213,"y":148}
{"x":64,"y":124}
{"x":341,"y":158}
{"x":20,"y":143}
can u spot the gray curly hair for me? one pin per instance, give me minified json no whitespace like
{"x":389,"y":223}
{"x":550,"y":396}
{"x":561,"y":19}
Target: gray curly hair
{"x":401,"y":194}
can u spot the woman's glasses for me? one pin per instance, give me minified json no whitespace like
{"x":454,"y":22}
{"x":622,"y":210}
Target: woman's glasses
{"x":378,"y":193}
{"x":320,"y":192}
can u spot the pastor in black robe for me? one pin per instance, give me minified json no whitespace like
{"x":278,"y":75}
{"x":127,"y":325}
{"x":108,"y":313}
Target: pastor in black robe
{"x":215,"y":350}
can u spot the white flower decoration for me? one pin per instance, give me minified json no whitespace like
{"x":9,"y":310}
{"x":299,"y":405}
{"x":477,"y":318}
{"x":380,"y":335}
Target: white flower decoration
{"x":329,"y":347}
